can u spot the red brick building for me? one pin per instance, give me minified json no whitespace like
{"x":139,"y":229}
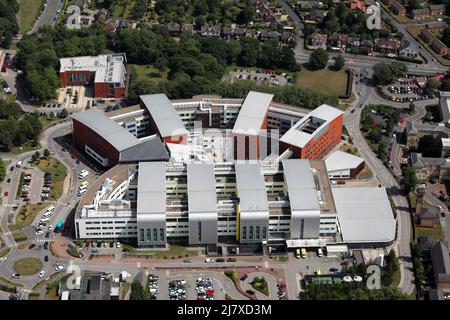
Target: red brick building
{"x":107,"y":73}
{"x":315,"y":135}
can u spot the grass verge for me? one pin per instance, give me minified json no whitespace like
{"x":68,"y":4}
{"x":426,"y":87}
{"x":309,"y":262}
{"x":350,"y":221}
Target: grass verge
{"x":28,"y":13}
{"x":27,"y":215}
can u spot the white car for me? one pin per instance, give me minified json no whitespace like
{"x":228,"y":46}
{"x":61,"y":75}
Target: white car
{"x":83,"y":174}
{"x":118,"y":245}
{"x":50,"y":227}
{"x":3,"y":259}
{"x":209,"y":260}
{"x":41,"y":274}
{"x":39,"y":232}
{"x":7,"y":89}
{"x":59,"y":267}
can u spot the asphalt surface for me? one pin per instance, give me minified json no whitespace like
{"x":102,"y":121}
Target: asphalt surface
{"x":47,"y":16}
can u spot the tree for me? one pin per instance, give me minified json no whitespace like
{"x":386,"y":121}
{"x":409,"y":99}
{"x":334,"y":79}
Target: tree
{"x":384,"y":73}
{"x":414,"y":4}
{"x":63,"y":114}
{"x":429,"y":146}
{"x":430,"y":87}
{"x":137,"y":291}
{"x":409,"y":179}
{"x":318,"y":59}
{"x":2,"y":170}
{"x":46,"y":153}
{"x":340,"y":62}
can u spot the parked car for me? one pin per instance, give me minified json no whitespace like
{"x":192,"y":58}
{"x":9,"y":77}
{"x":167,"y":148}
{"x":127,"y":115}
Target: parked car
{"x":231,"y":260}
{"x":220,"y":260}
{"x":245,"y":276}
{"x":41,"y":274}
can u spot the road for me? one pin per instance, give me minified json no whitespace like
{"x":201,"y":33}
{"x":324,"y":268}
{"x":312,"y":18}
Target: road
{"x":352,"y":123}
{"x":46,"y":18}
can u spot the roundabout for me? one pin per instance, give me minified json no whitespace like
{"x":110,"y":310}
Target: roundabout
{"x":28,"y":266}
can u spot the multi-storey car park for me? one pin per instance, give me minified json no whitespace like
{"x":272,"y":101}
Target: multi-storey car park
{"x":175,"y":175}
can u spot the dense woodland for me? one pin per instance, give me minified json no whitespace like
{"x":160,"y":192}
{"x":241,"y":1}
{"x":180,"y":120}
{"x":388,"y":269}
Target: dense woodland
{"x":16,"y":128}
{"x":194,"y":64}
{"x":8,"y":22}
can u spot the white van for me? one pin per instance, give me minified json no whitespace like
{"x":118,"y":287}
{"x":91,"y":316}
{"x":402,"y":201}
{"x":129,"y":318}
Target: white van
{"x":82,"y":191}
{"x":83,"y":174}
{"x":51,"y":209}
{"x":45,"y":219}
{"x":320,"y":253}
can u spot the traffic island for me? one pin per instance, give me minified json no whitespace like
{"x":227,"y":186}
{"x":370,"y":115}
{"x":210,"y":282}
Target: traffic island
{"x":28,"y":266}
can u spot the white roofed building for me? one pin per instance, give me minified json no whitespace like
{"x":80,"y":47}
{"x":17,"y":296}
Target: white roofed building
{"x":343,"y":165}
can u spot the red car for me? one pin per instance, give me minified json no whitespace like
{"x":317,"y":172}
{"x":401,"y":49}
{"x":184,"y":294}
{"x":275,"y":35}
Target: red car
{"x":28,"y":175}
{"x":209,"y":292}
{"x":6,"y":193}
{"x":74,"y":157}
{"x":26,"y":199}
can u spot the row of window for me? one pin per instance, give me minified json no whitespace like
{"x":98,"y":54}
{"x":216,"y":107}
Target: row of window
{"x":257,"y":235}
{"x":151,"y":235}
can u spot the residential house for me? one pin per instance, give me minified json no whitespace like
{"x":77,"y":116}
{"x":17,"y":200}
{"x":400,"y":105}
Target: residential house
{"x":210,"y":31}
{"x":437,"y":9}
{"x":318,"y":40}
{"x":227,"y":33}
{"x":426,"y":217}
{"x":358,"y":5}
{"x":252,"y":33}
{"x":174,"y":29}
{"x":309,"y":5}
{"x":101,"y":16}
{"x":316,"y":15}
{"x":419,"y":14}
{"x":288,"y":36}
{"x":239,"y":33}
{"x":438,"y":46}
{"x":267,"y":35}
{"x":338,"y":41}
{"x":436,"y":26}
{"x":111,"y":26}
{"x":387,"y":46}
{"x":427,"y":35}
{"x":397,"y":8}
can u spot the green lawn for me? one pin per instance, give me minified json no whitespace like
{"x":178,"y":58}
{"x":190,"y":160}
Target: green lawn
{"x":415,"y":32}
{"x":324,"y":80}
{"x":435,"y":232}
{"x":122,"y":8}
{"x":366,"y":173}
{"x":4,"y":252}
{"x":260,"y":284}
{"x":19,"y":236}
{"x":147,"y":72}
{"x":59,"y":173}
{"x":174,"y":251}
{"x":9,"y":282}
{"x":27,"y":214}
{"x":28,"y":13}
{"x":28,"y":266}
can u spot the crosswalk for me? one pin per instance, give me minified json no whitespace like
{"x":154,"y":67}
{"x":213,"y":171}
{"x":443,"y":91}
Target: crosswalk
{"x":42,"y":240}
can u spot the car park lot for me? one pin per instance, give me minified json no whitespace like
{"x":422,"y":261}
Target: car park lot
{"x":262,"y":76}
{"x":189,"y":285}
{"x":406,"y":89}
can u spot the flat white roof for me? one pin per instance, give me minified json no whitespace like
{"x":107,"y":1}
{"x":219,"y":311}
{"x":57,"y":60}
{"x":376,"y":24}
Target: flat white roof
{"x":164,"y":114}
{"x":201,"y":188}
{"x":445,"y":142}
{"x":364,"y":214}
{"x":340,"y":160}
{"x":252,"y":113}
{"x":108,"y":68}
{"x":300,"y":183}
{"x":151,"y":197}
{"x":251,"y":187}
{"x":311,"y":126}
